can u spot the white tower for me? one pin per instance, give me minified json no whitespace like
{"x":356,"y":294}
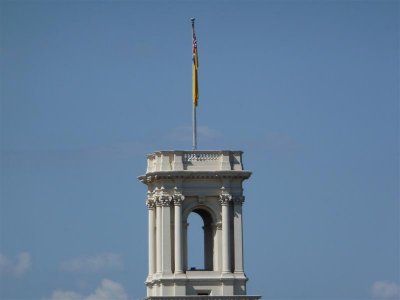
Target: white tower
{"x":208,"y":183}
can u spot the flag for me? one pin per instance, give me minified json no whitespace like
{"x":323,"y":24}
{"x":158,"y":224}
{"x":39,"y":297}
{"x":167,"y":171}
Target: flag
{"x":195,"y":66}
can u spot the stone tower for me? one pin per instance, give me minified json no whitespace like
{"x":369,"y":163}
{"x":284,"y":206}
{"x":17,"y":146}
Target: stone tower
{"x":208,"y":183}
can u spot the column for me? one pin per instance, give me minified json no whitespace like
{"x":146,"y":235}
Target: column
{"x":238,"y":234}
{"x":158,"y":236}
{"x":225,"y":200}
{"x":150,"y":206}
{"x":178,"y":233}
{"x":166,"y":266}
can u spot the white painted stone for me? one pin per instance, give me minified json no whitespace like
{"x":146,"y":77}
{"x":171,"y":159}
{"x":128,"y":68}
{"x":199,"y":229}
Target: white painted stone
{"x":208,"y":183}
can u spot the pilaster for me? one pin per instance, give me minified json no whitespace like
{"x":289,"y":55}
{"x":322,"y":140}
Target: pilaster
{"x":238,"y":234}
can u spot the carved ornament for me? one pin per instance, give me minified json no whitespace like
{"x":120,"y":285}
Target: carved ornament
{"x":178,"y":199}
{"x":165,"y":200}
{"x":225,"y":199}
{"x":150,"y":203}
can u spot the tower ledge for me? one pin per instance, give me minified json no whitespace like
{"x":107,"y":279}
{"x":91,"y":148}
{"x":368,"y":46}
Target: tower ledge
{"x":162,"y":175}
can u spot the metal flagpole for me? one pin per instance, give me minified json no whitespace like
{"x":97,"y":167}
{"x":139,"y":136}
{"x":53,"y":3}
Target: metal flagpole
{"x":194,"y":128}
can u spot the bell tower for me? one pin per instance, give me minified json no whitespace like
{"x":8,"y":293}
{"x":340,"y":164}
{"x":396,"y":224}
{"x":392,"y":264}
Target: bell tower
{"x":208,"y":183}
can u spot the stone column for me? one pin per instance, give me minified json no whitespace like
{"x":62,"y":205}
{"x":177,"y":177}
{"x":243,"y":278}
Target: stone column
{"x":217,"y":227}
{"x":158,"y":236}
{"x":166,"y":234}
{"x":178,"y":233}
{"x":225,"y":199}
{"x":238,"y":234}
{"x":150,"y":205}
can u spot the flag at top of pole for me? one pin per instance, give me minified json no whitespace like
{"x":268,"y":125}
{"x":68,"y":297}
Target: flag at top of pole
{"x":195,"y":66}
{"x":195,"y":93}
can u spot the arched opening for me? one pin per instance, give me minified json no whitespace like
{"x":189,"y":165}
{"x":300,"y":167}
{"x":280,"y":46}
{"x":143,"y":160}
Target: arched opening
{"x":200,"y":240}
{"x":195,"y":242}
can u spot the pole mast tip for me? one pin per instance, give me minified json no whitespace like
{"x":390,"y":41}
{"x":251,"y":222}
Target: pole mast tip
{"x":192,"y":19}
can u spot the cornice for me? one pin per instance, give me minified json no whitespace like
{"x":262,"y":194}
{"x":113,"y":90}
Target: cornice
{"x":162,"y":175}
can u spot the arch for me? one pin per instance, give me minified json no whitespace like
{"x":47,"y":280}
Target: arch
{"x":196,"y":207}
{"x":195,"y":242}
{"x":208,"y":218}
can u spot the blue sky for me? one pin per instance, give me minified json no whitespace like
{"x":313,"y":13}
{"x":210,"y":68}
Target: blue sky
{"x":308,"y":89}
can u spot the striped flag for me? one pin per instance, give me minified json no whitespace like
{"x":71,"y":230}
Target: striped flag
{"x":195,"y":66}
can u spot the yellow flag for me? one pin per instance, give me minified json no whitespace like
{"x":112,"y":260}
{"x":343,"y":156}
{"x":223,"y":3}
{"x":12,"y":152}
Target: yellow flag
{"x":195,"y":66}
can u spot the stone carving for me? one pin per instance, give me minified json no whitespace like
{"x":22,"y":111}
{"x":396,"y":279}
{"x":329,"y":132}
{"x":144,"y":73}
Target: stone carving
{"x":225,"y":199}
{"x":187,"y":157}
{"x":162,"y":198}
{"x":150,"y":203}
{"x":178,"y":199}
{"x":157,"y":201}
{"x":165,"y":200}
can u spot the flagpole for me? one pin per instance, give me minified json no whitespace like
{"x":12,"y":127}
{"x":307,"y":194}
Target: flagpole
{"x":194,"y":119}
{"x":194,"y":128}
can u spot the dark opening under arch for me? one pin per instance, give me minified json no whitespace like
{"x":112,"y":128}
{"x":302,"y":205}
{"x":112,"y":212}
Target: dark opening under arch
{"x":200,"y":240}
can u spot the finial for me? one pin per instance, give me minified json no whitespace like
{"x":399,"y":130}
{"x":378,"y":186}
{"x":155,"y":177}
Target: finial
{"x":192,"y":19}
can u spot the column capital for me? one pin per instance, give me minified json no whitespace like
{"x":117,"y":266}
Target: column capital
{"x":178,"y":199}
{"x":150,"y":203}
{"x":162,"y":198}
{"x":225,"y":199}
{"x":165,"y":200}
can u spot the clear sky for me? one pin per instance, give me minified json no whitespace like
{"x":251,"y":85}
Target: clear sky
{"x":308,"y":89}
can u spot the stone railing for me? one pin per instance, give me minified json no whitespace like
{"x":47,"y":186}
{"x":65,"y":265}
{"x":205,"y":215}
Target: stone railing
{"x":202,"y":156}
{"x":194,"y":161}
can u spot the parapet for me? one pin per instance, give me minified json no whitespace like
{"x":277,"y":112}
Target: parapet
{"x":178,"y":160}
